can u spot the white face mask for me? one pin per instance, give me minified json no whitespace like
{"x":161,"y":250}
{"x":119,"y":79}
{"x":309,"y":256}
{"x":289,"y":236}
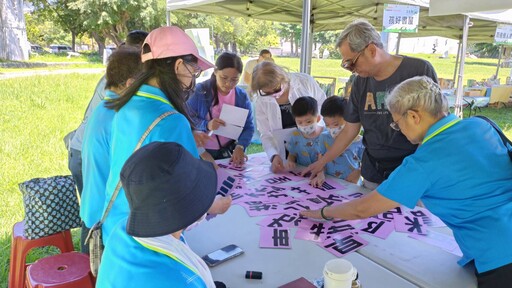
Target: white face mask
{"x":306,"y":130}
{"x":335,"y":131}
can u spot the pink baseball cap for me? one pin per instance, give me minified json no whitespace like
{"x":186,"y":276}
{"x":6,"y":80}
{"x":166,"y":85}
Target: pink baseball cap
{"x":171,"y":41}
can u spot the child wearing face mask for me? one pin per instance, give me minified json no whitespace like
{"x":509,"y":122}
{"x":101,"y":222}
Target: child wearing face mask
{"x":348,"y":165}
{"x":305,"y":144}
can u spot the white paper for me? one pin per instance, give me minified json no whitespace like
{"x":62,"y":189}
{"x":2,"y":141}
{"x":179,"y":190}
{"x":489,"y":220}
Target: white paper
{"x":443,"y":241}
{"x":229,"y":131}
{"x":235,"y":118}
{"x":282,"y":136}
{"x":234,"y":115}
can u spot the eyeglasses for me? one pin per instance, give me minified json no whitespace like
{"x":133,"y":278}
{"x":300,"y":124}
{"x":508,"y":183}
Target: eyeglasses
{"x":263,"y":93}
{"x":394,"y":124}
{"x":228,"y":81}
{"x":197,"y":71}
{"x":350,"y":64}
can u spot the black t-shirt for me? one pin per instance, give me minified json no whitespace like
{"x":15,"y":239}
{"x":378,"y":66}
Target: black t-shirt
{"x":385,"y":146}
{"x":286,"y":116}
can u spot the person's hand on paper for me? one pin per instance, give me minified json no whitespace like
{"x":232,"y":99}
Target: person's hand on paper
{"x":201,"y":138}
{"x":238,"y":158}
{"x":215,"y":123}
{"x":220,"y":205}
{"x":277,"y":164}
{"x":318,"y":180}
{"x":314,"y":214}
{"x":290,"y":164}
{"x":314,"y":168}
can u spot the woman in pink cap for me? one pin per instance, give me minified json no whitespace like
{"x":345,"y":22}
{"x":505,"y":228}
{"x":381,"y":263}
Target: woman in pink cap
{"x":171,"y":64}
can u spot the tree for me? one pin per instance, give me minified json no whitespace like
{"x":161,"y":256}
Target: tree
{"x":327,"y":40}
{"x":63,"y":13}
{"x":113,"y":19}
{"x":244,"y":35}
{"x":291,"y":33}
{"x":43,"y":32}
{"x":485,"y":50}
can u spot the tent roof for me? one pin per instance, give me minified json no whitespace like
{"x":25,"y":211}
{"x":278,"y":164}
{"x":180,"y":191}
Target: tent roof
{"x":336,"y":14}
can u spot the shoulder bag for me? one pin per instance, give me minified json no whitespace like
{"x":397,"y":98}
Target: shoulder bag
{"x":94,"y":238}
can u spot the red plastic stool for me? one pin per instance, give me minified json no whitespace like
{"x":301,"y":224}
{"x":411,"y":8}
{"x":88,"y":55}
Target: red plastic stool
{"x":20,"y":246}
{"x":61,"y":271}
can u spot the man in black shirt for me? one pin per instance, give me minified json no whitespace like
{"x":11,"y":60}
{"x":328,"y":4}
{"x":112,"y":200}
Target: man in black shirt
{"x":377,"y":73}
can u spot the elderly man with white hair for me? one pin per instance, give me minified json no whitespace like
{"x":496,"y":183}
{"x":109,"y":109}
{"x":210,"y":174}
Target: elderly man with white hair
{"x":441,"y":173}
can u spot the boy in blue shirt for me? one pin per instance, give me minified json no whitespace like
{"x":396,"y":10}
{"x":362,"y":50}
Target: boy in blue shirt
{"x":310,"y":141}
{"x":347,"y":166}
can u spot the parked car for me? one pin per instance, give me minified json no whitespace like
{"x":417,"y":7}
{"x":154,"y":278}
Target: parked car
{"x":54,"y":48}
{"x":36,"y":49}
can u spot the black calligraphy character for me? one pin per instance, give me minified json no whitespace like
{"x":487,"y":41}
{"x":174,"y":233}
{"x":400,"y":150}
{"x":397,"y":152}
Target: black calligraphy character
{"x":263,"y":207}
{"x":278,"y":180}
{"x":333,"y":229}
{"x":372,"y":226}
{"x":331,"y":199}
{"x":389,"y":215}
{"x":317,"y":229}
{"x":344,"y":245}
{"x":422,"y":215}
{"x":281,"y":238}
{"x":415,"y":225}
{"x":326,"y":187}
{"x":300,"y":190}
{"x":277,"y":222}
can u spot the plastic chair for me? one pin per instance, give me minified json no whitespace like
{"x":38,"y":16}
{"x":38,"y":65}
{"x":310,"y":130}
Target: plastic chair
{"x":20,"y":246}
{"x":61,"y":271}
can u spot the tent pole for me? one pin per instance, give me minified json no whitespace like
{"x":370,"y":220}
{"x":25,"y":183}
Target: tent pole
{"x":168,"y":17}
{"x":398,"y":43}
{"x":457,"y":62}
{"x":499,"y":62}
{"x":305,"y":48}
{"x":460,"y":88}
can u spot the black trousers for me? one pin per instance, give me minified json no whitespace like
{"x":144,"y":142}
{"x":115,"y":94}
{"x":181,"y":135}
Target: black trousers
{"x":500,"y":277}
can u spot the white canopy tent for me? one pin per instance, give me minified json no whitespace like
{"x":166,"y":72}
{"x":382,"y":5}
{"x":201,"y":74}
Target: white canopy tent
{"x":448,"y":7}
{"x":321,"y":15}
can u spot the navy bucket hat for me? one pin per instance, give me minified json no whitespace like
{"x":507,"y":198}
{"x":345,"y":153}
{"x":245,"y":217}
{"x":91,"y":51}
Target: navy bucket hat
{"x":167,"y":189}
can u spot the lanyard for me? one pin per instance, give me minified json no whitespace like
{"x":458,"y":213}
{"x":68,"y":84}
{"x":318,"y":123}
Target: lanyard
{"x":441,"y":129}
{"x":153,"y":96}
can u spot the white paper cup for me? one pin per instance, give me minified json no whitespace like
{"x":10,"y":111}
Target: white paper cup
{"x":339,"y":273}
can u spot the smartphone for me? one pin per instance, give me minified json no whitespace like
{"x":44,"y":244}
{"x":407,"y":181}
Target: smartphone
{"x":222,"y":255}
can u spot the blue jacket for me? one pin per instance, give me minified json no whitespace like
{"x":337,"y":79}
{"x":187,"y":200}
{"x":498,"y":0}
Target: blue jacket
{"x":201,"y":102}
{"x":129,"y":123}
{"x":96,"y":161}
{"x":126,"y":263}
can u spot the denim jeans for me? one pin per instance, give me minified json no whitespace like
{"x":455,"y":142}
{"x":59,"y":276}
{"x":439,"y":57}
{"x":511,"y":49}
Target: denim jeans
{"x":75,"y":166}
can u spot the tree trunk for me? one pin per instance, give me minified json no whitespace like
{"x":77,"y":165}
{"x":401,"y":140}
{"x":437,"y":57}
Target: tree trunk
{"x":13,"y":34}
{"x":101,"y":42}
{"x":235,"y":48}
{"x":73,"y":41}
{"x":291,"y":46}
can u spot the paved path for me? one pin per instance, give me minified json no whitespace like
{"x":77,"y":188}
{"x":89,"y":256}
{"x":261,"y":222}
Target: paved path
{"x":50,"y":72}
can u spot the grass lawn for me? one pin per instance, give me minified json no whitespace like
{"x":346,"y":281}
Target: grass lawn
{"x":38,"y":111}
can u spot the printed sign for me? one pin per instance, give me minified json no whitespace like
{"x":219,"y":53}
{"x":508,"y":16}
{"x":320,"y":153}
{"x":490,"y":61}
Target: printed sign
{"x":503,"y":34}
{"x":400,"y":18}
